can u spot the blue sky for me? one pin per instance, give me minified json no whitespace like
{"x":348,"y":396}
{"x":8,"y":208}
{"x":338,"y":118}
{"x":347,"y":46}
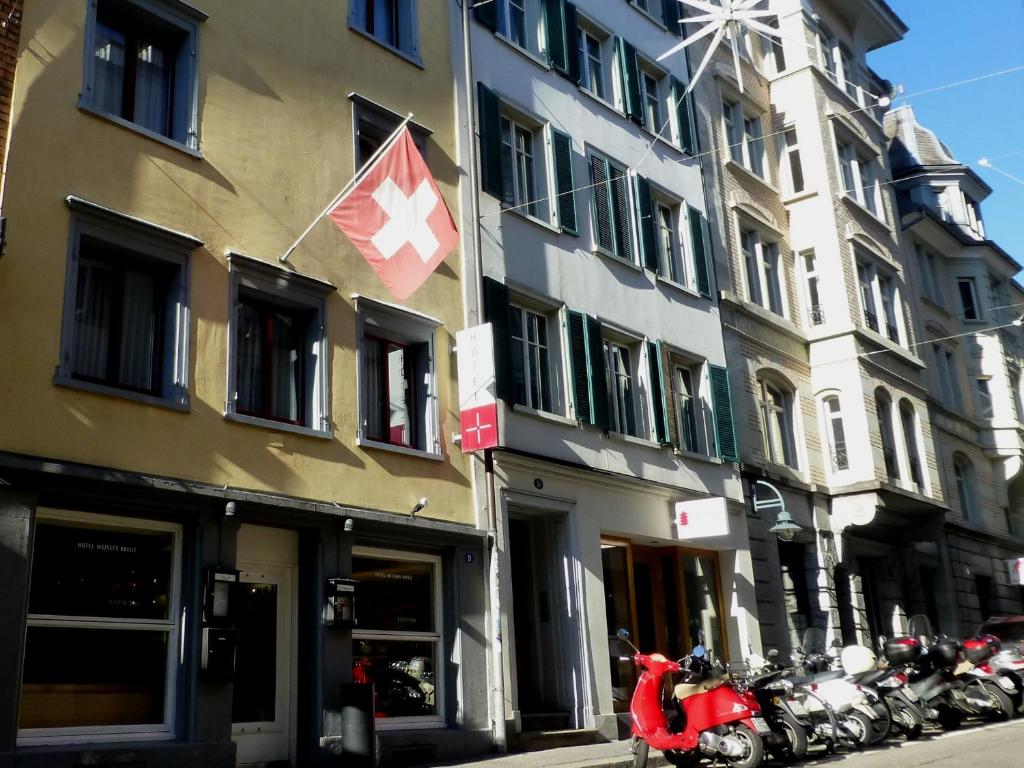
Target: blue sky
{"x":950,"y":41}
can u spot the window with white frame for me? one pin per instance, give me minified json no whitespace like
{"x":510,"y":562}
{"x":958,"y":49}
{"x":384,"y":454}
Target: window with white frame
{"x":928,"y":265}
{"x":397,"y":638}
{"x":1013,"y":381}
{"x":594,"y":53}
{"x":689,"y":407}
{"x":969,"y":303}
{"x":777,"y":422}
{"x":126,"y":307}
{"x":772,"y":51}
{"x":673,"y":259}
{"x":651,"y":97}
{"x":878,"y":291}
{"x":974,"y":221}
{"x":142,"y":66}
{"x":397,"y":397}
{"x":887,"y":434}
{"x":836,"y":433}
{"x":827,"y":45}
{"x":277,"y":368}
{"x":984,"y":391}
{"x":531,"y":358}
{"x":966,"y":488}
{"x":839,"y":63}
{"x":611,"y":207}
{"x":522,"y":166}
{"x":651,"y":7}
{"x":794,"y":166}
{"x":764,"y":271}
{"x":865,"y":279}
{"x":908,"y":421}
{"x":745,"y":135}
{"x":391,"y":22}
{"x":860,"y":174}
{"x":887,"y":291}
{"x":848,"y":70}
{"x":815,"y":311}
{"x":998,"y":298}
{"x":520,"y":22}
{"x":945,"y":367}
{"x":374,"y":125}
{"x":102,"y":637}
{"x":621,"y":360}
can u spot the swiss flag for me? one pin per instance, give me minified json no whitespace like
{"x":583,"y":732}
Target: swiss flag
{"x":398,"y":220}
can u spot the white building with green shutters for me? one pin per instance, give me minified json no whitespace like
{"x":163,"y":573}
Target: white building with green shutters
{"x":619,"y":503}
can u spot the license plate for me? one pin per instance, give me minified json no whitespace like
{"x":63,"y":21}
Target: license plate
{"x":797,"y":707}
{"x":761,"y":725}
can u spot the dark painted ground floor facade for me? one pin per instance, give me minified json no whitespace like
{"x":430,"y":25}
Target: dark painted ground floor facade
{"x":117,"y":631}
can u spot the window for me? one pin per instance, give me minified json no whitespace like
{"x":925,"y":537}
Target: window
{"x":519,"y":21}
{"x":518,"y":169}
{"x":374,"y":125}
{"x":836,"y":433}
{"x":984,"y":398}
{"x":746,"y":138}
{"x":592,"y":69}
{"x":611,"y":207}
{"x":849,"y":73}
{"x":101,"y":656}
{"x":1013,"y":381}
{"x":142,"y":68}
{"x":796,"y":171}
{"x":777,"y":423}
{"x":827,"y":45}
{"x":277,"y":348}
{"x":860,"y":174}
{"x":887,"y":290}
{"x":772,"y":50}
{"x":945,"y":366}
{"x":397,"y":637}
{"x":974,"y":216}
{"x":969,"y":298}
{"x":670,"y":258}
{"x":765,"y":279}
{"x":688,"y":406}
{"x":391,"y":22}
{"x":966,"y":492}
{"x":397,"y":405}
{"x":652,"y":8}
{"x":865,"y":275}
{"x":998,"y":299}
{"x":908,"y":420}
{"x":877,"y":289}
{"x":815,"y":312}
{"x":620,"y":377}
{"x":531,"y":367}
{"x":125,"y":328}
{"x":928,"y":265}
{"x":651,"y":101}
{"x":883,"y":408}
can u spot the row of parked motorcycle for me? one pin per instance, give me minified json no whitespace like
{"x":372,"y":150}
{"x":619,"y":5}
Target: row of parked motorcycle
{"x":740,"y":713}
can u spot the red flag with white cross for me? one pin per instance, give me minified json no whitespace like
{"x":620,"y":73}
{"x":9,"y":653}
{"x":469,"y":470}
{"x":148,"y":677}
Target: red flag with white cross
{"x":398,"y":220}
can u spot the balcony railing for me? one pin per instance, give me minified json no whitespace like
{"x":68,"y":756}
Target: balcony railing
{"x":816,"y":314}
{"x":871,"y":320}
{"x":891,"y":468}
{"x":840,"y":458}
{"x":892,"y":332}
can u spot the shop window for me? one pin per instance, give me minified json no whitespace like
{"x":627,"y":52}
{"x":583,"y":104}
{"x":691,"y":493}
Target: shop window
{"x":618,"y":603}
{"x":397,"y":634}
{"x":101,"y":643}
{"x":703,"y":603}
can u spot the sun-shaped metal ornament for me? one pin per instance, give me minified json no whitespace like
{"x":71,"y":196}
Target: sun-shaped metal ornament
{"x":724,"y":20}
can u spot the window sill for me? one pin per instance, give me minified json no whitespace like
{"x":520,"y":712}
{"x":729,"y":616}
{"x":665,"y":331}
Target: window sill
{"x":618,"y":259}
{"x":364,"y":442}
{"x":936,"y":305}
{"x":643,"y":441}
{"x":886,"y":343}
{"x":756,"y":310}
{"x":555,"y":418}
{"x":647,"y":15}
{"x":682,"y":453}
{"x":411,"y":58}
{"x":661,"y":140}
{"x":88,"y":108}
{"x":529,"y":55}
{"x":277,"y":426}
{"x":799,"y":197}
{"x":677,"y":286}
{"x":125,"y":394}
{"x":854,"y":107}
{"x":605,"y":103}
{"x":537,"y":222}
{"x":409,"y":723}
{"x":742,"y":170}
{"x":858,"y":206}
{"x":39,"y":737}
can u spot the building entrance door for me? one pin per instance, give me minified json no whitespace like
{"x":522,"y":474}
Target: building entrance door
{"x":263,"y":708}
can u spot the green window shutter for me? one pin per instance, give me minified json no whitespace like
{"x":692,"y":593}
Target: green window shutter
{"x":721,"y":409}
{"x":562,"y":146}
{"x":701,"y":250}
{"x":684,"y":110}
{"x":572,"y":42}
{"x":579,"y":371}
{"x":601,"y":203}
{"x":657,"y":379}
{"x":629,"y":72}
{"x":496,"y":312}
{"x":489,"y":108}
{"x":645,"y":222}
{"x":600,"y":417}
{"x":487,"y":14}
{"x":619,"y":182}
{"x":669,"y":387}
{"x":554,"y":25}
{"x":670,"y":15}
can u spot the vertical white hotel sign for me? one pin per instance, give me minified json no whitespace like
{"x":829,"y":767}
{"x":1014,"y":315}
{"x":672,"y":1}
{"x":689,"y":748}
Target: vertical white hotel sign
{"x":478,"y":405}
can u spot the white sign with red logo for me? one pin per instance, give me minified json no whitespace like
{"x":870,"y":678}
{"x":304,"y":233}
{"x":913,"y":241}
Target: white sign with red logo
{"x":478,"y":405}
{"x":396,"y":217}
{"x":1016,"y":567}
{"x":701,"y":518}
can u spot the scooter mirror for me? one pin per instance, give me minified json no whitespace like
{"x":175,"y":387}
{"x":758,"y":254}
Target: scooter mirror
{"x":698,"y":651}
{"x":623,"y":633}
{"x":773,"y":652}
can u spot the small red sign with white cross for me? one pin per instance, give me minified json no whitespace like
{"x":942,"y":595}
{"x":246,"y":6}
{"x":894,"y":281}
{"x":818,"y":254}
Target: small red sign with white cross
{"x":478,"y":405}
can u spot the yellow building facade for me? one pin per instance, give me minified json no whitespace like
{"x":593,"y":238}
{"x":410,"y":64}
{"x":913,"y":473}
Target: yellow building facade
{"x":202,"y":446}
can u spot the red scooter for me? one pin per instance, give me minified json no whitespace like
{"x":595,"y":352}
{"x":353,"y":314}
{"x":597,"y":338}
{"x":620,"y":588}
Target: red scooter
{"x":712,"y":718}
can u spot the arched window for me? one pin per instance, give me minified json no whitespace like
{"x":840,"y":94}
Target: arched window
{"x":908,"y":420}
{"x":836,"y":433}
{"x":883,"y":406}
{"x":777,"y":422}
{"x":963,"y":472}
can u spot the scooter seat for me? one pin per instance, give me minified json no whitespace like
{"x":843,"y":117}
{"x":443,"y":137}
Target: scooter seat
{"x":871,"y":676}
{"x":824,"y":677}
{"x":685,"y":690}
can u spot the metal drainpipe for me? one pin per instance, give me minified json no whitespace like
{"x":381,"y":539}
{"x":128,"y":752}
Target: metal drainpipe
{"x":493,"y":559}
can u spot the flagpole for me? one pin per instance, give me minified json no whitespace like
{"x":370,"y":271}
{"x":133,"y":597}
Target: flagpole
{"x":367,"y":167}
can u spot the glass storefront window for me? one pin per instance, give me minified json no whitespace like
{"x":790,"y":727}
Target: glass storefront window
{"x":700,"y":580}
{"x":102,"y":627}
{"x":618,"y":600}
{"x":396,"y":639}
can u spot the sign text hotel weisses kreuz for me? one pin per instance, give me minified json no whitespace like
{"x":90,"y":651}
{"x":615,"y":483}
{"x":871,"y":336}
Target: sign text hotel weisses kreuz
{"x":478,"y":406}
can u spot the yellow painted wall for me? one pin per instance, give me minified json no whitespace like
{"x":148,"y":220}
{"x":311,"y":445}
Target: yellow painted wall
{"x":277,"y":142}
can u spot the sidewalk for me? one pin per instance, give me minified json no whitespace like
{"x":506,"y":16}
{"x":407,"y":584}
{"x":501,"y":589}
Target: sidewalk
{"x":613,"y":754}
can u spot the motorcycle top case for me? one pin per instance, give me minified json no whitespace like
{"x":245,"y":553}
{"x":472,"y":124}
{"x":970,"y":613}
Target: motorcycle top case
{"x":981,"y":648}
{"x":902,"y":650}
{"x":944,"y":652}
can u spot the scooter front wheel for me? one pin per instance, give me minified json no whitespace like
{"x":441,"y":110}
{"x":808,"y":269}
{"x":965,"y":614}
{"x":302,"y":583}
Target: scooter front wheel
{"x":1002,"y":708}
{"x":640,"y":751}
{"x":753,"y":751}
{"x":796,"y":739}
